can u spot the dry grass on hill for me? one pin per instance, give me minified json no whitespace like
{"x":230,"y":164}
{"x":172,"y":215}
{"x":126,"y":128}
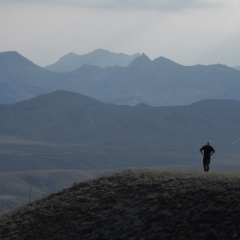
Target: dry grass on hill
{"x":136,"y":204}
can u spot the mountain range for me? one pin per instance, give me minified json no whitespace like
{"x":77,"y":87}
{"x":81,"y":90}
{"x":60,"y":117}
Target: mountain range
{"x":159,"y":82}
{"x":99,"y":57}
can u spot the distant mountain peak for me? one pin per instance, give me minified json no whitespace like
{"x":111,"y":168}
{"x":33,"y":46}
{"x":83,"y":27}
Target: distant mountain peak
{"x":100,"y":50}
{"x":145,"y":56}
{"x":104,"y":51}
{"x":163,"y":60}
{"x":9,"y":53}
{"x":141,"y":60}
{"x":11,"y":57}
{"x":99,"y":57}
{"x":70,"y":55}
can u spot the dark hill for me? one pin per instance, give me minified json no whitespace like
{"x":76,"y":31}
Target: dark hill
{"x":59,"y":115}
{"x":137,"y":204}
{"x":59,"y":100}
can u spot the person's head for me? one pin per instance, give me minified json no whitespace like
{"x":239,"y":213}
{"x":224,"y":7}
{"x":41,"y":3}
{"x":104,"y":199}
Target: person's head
{"x":209,"y":143}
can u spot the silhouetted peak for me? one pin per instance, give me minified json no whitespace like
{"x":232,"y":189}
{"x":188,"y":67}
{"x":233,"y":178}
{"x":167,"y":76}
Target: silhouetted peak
{"x":100,"y":51}
{"x":165,"y":61}
{"x":11,"y":57}
{"x":145,"y":56}
{"x":141,"y":60}
{"x":71,"y":54}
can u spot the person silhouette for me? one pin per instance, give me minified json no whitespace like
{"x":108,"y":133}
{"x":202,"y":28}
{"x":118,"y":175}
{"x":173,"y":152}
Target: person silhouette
{"x":207,"y":151}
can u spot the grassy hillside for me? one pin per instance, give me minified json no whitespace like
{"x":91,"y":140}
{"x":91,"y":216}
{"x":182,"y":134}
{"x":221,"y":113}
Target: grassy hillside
{"x":19,"y":188}
{"x":136,"y":204}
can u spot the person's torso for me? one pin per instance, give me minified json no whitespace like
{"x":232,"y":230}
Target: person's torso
{"x":207,"y":150}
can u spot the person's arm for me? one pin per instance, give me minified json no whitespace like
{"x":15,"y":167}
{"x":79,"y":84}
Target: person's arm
{"x":201,"y":150}
{"x":213,"y":151}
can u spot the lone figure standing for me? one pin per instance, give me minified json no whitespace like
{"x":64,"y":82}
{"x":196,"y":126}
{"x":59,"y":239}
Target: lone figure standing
{"x":207,"y":151}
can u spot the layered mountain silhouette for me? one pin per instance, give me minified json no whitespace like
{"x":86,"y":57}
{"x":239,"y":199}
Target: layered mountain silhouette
{"x":158,"y":82}
{"x":137,"y":204}
{"x":99,"y":57}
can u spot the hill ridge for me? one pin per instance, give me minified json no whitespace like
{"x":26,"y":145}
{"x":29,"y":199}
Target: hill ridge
{"x":134,"y":204}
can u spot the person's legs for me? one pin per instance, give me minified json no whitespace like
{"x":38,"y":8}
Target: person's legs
{"x":207,"y":167}
{"x":206,"y":163}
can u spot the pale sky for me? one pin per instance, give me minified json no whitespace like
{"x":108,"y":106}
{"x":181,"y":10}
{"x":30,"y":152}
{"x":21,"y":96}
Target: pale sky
{"x":188,"y":32}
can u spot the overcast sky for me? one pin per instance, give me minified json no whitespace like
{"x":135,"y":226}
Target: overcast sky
{"x":188,"y":32}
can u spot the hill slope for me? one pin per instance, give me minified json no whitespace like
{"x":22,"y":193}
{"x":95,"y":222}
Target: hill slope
{"x":19,"y":188}
{"x":138,"y":204}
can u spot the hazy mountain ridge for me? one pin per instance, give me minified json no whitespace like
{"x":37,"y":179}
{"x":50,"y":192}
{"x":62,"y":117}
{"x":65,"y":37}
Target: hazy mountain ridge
{"x":99,"y":57}
{"x":136,"y":204}
{"x":160,"y":82}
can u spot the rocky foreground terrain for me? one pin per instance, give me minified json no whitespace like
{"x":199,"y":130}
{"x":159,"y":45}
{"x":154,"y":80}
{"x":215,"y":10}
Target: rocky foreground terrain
{"x":134,"y":204}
